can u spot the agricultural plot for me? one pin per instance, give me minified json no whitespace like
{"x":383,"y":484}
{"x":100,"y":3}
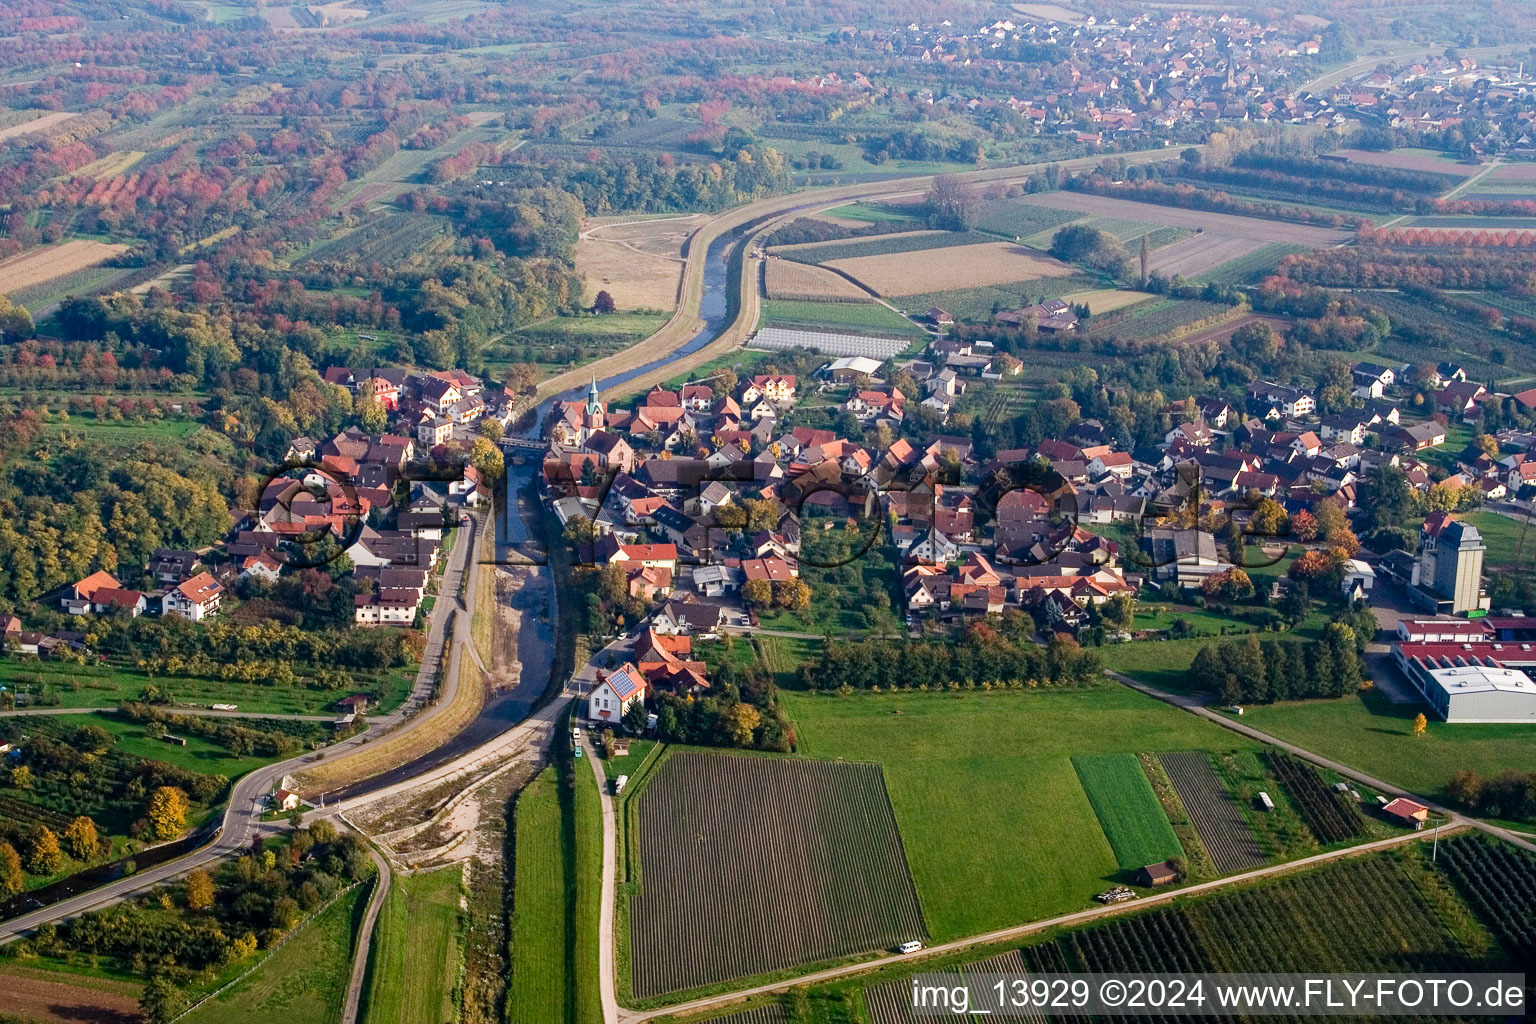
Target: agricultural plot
{"x":1513,"y":174}
{"x":1250,"y":267}
{"x":111,"y":165}
{"x":867,"y":213}
{"x":1018,"y":219}
{"x":1212,"y":810}
{"x":978,"y":304}
{"x":1330,"y":816}
{"x":1158,"y":319}
{"x":785,"y":279}
{"x":778,"y":339}
{"x":976,"y":779}
{"x":968,"y":266}
{"x":826,"y":875}
{"x":1222,"y":223}
{"x":1202,"y":253}
{"x":1411,"y":160}
{"x":42,"y":995}
{"x":879,"y":245}
{"x":53,"y":261}
{"x":391,"y":240}
{"x":1499,"y":882}
{"x":1128,"y":811}
{"x":1362,"y":914}
{"x":36,"y":124}
{"x":773,"y":1013}
{"x":852,"y":317}
{"x":1106,"y":300}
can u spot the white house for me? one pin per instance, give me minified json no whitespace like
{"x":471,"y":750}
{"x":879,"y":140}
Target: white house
{"x":196,"y":599}
{"x":615,"y":694}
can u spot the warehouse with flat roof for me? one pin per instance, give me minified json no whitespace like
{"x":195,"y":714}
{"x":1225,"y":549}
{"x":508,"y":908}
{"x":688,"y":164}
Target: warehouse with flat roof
{"x":1468,"y":682}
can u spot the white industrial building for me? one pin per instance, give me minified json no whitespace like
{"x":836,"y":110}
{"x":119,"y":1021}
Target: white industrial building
{"x":1467,"y":682}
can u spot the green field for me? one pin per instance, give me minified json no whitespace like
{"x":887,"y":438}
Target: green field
{"x":414,"y":959}
{"x":104,"y":686}
{"x":1128,"y":810}
{"x":1369,"y":733}
{"x":873,"y":213}
{"x":1248,"y":269}
{"x":1165,"y":663}
{"x":555,"y":901}
{"x":1510,"y":542}
{"x":124,"y":433}
{"x":979,"y":304}
{"x":1015,"y":218}
{"x":978,"y":781}
{"x":626,"y":764}
{"x":858,"y":317}
{"x":306,"y":980}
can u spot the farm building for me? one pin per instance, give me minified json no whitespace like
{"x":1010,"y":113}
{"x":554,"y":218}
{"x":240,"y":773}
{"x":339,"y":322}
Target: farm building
{"x":1469,"y":682}
{"x":1407,"y":812}
{"x":1161,"y":873}
{"x":851,"y":368}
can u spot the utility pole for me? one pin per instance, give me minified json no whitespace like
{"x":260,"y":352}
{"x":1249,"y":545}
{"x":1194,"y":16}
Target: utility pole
{"x":1434,"y":849}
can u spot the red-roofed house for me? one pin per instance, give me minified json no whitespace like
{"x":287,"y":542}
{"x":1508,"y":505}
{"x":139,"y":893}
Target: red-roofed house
{"x":79,"y":602}
{"x":614,"y":694}
{"x":196,"y":599}
{"x":1407,"y":812}
{"x":651,"y":556}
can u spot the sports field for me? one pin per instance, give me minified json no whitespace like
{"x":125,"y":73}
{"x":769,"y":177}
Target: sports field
{"x":977,"y":779}
{"x":1129,"y":812}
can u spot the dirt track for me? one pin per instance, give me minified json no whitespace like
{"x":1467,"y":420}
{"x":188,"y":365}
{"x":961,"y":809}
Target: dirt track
{"x":1221,"y":223}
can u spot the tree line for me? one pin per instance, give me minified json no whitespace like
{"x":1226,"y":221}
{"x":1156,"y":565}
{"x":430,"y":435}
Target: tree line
{"x":983,"y":657}
{"x":1251,"y":671}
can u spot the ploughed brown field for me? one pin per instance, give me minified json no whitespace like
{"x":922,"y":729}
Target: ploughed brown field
{"x":1221,"y":223}
{"x":941,"y":270}
{"x":65,"y":999}
{"x":53,"y":261}
{"x":758,"y":864}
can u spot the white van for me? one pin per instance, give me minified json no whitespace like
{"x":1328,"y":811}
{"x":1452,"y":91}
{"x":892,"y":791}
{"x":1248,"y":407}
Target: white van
{"x":909,"y":947}
{"x":619,"y":783}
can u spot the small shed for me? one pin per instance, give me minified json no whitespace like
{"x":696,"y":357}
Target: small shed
{"x":175,"y":741}
{"x":1263,"y":802}
{"x":285,"y":800}
{"x":1153,"y":875}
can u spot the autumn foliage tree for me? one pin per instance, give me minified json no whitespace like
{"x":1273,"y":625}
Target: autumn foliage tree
{"x":11,"y":878}
{"x":80,"y":838}
{"x":167,"y":812}
{"x":199,"y":890}
{"x":43,"y":856}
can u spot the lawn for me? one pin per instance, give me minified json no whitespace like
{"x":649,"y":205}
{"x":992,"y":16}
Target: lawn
{"x":626,"y":764}
{"x":1510,"y":541}
{"x":102,"y":686}
{"x":1128,"y":810}
{"x":555,"y":901}
{"x":1165,"y":663}
{"x":414,"y":961}
{"x":996,"y":825}
{"x":858,"y":317}
{"x":1375,"y":736}
{"x":125,"y":433}
{"x":305,"y":980}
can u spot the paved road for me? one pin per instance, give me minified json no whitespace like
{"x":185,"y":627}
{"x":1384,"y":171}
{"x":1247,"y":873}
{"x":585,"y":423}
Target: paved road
{"x":606,"y":938}
{"x":1011,"y":934}
{"x":365,"y":938}
{"x":247,"y":797}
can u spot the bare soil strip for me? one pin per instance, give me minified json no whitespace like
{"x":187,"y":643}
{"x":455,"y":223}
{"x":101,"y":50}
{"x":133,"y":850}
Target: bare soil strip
{"x":1202,"y":253}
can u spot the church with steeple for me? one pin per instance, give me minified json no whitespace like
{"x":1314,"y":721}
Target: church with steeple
{"x":577,"y":421}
